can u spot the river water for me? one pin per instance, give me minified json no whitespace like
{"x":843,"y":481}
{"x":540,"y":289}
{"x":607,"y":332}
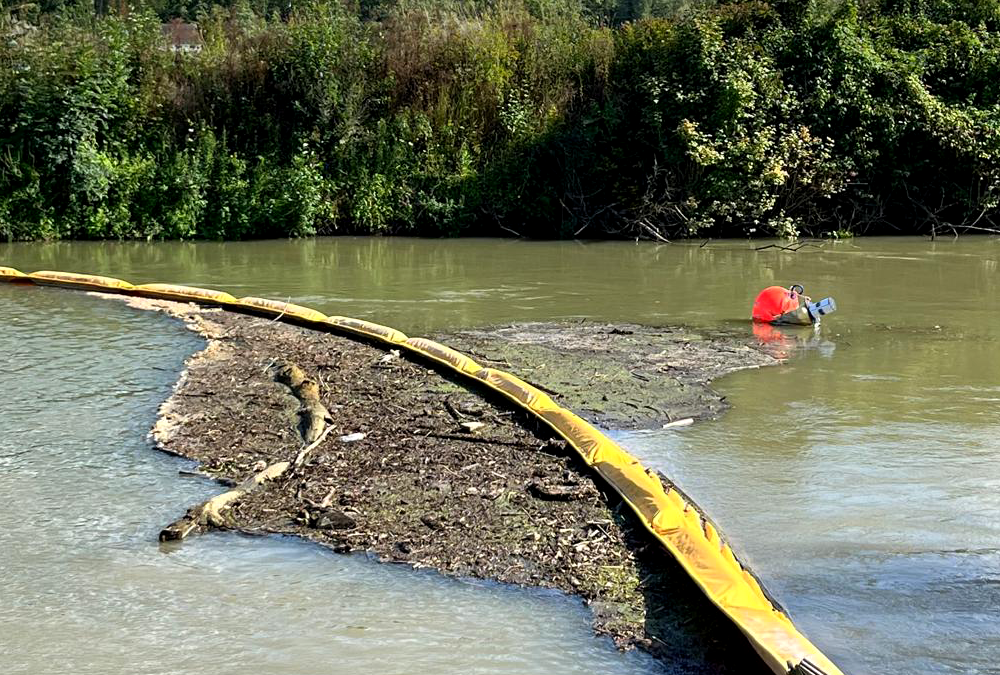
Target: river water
{"x":860,"y":479}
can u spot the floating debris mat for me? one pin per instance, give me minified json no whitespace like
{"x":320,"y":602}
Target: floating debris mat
{"x":672,"y":519}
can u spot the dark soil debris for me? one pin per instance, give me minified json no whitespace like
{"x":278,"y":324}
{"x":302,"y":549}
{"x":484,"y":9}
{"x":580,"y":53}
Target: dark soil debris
{"x":620,"y":376}
{"x":506,"y":502}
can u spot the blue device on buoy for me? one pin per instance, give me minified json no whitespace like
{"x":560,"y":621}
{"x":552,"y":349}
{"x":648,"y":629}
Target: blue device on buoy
{"x":779,"y":305}
{"x":820,"y":309}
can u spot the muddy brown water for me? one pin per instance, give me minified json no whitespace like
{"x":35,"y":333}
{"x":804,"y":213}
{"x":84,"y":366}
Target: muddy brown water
{"x":861,"y":479}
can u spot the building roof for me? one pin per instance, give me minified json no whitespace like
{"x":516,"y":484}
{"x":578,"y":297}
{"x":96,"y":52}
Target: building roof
{"x":182,"y":34}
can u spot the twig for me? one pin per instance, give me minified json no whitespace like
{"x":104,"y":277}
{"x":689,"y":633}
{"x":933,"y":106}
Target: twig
{"x":794,"y":248}
{"x":649,"y":229}
{"x":516,"y":234}
{"x":452,"y":410}
{"x":282,"y":312}
{"x":301,"y":457}
{"x":980,"y":229}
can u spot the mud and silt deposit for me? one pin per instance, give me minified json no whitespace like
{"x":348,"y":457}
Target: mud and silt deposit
{"x":364,"y":450}
{"x":618,"y":376}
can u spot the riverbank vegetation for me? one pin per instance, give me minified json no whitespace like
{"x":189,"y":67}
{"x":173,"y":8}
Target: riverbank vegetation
{"x":541,"y":118}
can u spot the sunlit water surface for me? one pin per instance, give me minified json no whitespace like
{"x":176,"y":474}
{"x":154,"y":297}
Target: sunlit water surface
{"x":861,"y":479}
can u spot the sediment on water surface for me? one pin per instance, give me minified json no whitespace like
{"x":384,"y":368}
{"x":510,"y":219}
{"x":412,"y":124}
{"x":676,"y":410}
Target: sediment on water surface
{"x":418,"y":470}
{"x":622,"y":376}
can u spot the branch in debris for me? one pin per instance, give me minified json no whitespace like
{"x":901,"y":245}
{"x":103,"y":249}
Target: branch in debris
{"x":304,"y":452}
{"x":211,"y":513}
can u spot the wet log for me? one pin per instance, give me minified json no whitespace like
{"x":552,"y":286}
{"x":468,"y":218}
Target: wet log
{"x":210,"y":513}
{"x":314,"y":426}
{"x":313,"y":415}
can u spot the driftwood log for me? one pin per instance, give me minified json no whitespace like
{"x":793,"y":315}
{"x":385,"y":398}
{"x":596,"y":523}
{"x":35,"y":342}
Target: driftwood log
{"x":313,"y":415}
{"x":314,"y":427}
{"x":210,"y":513}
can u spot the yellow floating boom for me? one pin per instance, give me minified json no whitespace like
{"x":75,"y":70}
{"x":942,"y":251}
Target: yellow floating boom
{"x":669,"y":516}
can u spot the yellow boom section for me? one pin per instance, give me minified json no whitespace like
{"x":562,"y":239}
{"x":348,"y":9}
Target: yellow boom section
{"x":669,"y":517}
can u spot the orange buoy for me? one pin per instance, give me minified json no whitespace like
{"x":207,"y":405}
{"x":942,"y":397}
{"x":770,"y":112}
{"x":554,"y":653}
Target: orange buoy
{"x":774,"y":301}
{"x":790,"y":305}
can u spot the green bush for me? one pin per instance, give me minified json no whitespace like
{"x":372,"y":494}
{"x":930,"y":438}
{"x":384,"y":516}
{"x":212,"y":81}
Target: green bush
{"x":547,"y":118}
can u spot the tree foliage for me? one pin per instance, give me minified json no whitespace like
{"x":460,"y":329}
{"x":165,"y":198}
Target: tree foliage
{"x":548,"y":118}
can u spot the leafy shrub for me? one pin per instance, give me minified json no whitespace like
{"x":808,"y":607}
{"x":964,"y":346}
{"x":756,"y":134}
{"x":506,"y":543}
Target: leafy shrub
{"x":548,"y":118}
